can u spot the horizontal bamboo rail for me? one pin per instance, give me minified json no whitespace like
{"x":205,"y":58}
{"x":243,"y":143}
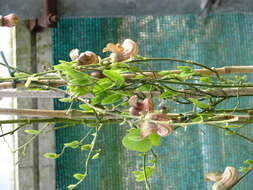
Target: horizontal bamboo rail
{"x":223,"y":70}
{"x":46,"y":113}
{"x":71,"y":114}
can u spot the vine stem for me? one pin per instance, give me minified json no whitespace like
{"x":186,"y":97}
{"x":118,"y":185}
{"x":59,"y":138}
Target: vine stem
{"x":234,"y":132}
{"x":205,"y":85}
{"x":32,"y":138}
{"x":89,"y":156}
{"x":176,"y":60}
{"x":145,"y":172}
{"x":242,"y":177}
{"x":203,"y":72}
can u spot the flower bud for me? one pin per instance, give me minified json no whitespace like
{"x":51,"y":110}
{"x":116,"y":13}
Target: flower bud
{"x":162,"y":131}
{"x":97,"y":74}
{"x":162,"y":107}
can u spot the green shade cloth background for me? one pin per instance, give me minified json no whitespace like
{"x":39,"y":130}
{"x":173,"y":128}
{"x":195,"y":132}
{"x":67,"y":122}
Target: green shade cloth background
{"x":186,"y":155}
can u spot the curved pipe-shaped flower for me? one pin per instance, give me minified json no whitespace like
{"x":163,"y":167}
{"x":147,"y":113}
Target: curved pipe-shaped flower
{"x":85,"y":58}
{"x":147,"y":127}
{"x":127,"y":50}
{"x":138,"y":108}
{"x":229,"y":178}
{"x":224,"y":181}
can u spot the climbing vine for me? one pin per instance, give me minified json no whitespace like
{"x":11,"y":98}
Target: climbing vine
{"x":121,"y":88}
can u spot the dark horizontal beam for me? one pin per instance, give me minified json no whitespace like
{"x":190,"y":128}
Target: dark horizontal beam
{"x":105,"y":8}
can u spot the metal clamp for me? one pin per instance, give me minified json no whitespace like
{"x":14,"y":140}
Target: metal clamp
{"x":48,"y":19}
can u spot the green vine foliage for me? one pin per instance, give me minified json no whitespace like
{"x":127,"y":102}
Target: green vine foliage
{"x":123,"y":91}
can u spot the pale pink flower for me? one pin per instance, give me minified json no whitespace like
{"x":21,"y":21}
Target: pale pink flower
{"x":85,"y":58}
{"x":9,"y":20}
{"x":127,"y":50}
{"x":146,"y":108}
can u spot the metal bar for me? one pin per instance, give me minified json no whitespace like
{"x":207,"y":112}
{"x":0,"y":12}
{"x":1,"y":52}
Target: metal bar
{"x":111,"y":8}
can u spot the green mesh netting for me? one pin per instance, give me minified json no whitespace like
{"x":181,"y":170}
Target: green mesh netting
{"x":187,"y":154}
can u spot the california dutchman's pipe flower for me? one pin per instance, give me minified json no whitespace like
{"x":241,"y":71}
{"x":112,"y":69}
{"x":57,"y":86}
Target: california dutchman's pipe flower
{"x":146,"y":107}
{"x":147,"y":127}
{"x":127,"y":50}
{"x":224,"y":181}
{"x":9,"y":20}
{"x":85,"y":58}
{"x":138,"y":108}
{"x":74,"y":54}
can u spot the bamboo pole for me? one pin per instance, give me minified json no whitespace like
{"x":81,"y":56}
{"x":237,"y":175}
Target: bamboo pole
{"x":31,"y":94}
{"x":205,"y":72}
{"x":54,"y":120}
{"x":46,"y":113}
{"x":71,"y":114}
{"x":21,"y":84}
{"x":226,"y":92}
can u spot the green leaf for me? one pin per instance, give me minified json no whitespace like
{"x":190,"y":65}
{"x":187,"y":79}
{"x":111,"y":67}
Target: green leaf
{"x":140,"y":146}
{"x":103,"y":85}
{"x":250,"y":162}
{"x":86,"y":107}
{"x":229,"y":133}
{"x":154,"y":139}
{"x":98,"y":98}
{"x":86,"y":147}
{"x":205,"y":79}
{"x":51,"y":155}
{"x":139,"y":76}
{"x":65,"y":100}
{"x":168,"y":93}
{"x":32,"y":131}
{"x":139,"y":175}
{"x":245,"y":169}
{"x":78,"y":91}
{"x":184,"y":75}
{"x":73,"y":144}
{"x":64,"y":66}
{"x":71,"y":186}
{"x":164,"y":73}
{"x":95,"y":156}
{"x":198,"y":103}
{"x":111,"y":99}
{"x":21,"y":74}
{"x":146,"y":87}
{"x":185,"y":69}
{"x":80,"y":82}
{"x":135,"y":137}
{"x":79,"y":176}
{"x":114,"y":75}
{"x":231,"y":126}
{"x":134,"y":69}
